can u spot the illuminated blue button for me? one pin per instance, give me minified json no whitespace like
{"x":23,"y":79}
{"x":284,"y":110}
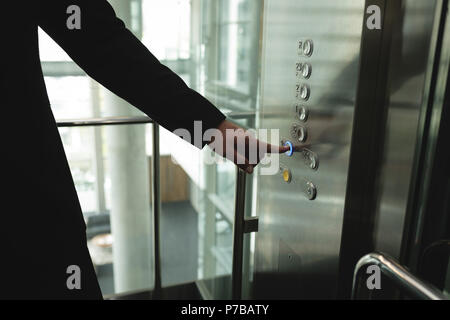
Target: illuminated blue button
{"x":291,"y":148}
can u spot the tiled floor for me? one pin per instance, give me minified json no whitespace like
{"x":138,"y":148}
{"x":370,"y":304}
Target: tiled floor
{"x":179,"y":247}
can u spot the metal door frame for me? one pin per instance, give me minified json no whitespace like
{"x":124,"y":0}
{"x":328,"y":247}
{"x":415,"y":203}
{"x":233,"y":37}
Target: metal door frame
{"x":369,"y":137}
{"x":427,"y":220}
{"x":367,"y":143}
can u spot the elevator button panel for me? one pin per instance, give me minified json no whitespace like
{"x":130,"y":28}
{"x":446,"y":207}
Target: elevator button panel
{"x":298,"y":131}
{"x":309,"y":77}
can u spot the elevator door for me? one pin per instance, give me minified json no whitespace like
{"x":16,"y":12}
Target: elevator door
{"x":310,"y":64}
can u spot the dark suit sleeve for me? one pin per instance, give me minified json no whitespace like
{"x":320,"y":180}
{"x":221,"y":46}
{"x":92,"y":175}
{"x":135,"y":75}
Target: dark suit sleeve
{"x":113,"y":56}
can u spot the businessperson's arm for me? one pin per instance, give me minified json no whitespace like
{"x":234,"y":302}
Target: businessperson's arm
{"x":113,"y":56}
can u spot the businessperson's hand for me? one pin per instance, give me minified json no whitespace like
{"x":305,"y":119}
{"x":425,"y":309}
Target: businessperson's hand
{"x":242,"y":147}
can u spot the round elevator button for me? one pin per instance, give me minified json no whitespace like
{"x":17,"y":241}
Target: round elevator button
{"x":302,"y":114}
{"x":291,"y":148}
{"x":306,"y":70}
{"x":299,"y":133}
{"x":302,"y":134}
{"x":303,"y":92}
{"x":287,"y":176}
{"x":308,"y":48}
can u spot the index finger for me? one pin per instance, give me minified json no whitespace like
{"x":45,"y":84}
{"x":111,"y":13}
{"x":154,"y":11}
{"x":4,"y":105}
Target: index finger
{"x":270,"y":148}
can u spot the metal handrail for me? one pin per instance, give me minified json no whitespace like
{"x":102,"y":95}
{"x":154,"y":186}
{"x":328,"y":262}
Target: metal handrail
{"x":241,"y":226}
{"x":238,"y":236}
{"x":104,"y":121}
{"x":107,"y":121}
{"x":398,"y":274}
{"x":156,"y":203}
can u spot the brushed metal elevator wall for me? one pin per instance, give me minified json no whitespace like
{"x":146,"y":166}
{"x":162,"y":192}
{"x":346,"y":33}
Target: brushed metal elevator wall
{"x":408,"y":79}
{"x":297,"y":246}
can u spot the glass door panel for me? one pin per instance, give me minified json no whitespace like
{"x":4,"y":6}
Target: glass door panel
{"x":215,"y":49}
{"x":110,"y":167}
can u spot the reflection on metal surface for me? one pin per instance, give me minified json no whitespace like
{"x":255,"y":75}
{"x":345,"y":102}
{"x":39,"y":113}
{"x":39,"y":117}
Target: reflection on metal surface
{"x":408,"y":78}
{"x":309,"y":230}
{"x":312,"y":230}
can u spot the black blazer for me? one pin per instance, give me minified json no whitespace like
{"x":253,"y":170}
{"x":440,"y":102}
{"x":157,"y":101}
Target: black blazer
{"x":42,"y":230}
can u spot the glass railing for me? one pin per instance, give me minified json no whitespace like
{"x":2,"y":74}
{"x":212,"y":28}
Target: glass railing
{"x":143,"y":233}
{"x":110,"y":165}
{"x":214,"y":47}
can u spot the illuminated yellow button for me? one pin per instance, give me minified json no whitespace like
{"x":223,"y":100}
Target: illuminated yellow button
{"x":287,"y":175}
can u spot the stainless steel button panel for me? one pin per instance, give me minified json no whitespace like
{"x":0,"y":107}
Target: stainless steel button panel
{"x":299,"y":132}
